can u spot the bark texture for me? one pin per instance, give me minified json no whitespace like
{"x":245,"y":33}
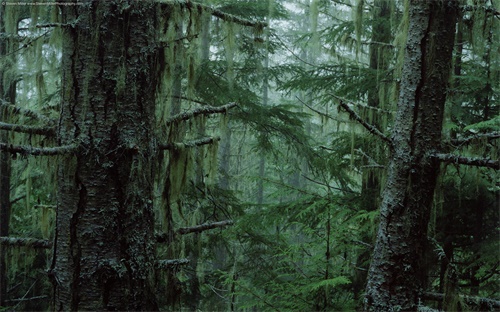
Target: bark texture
{"x":396,"y":274}
{"x":104,"y":247}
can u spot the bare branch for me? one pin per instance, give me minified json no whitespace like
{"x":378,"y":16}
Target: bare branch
{"x":165,"y":264}
{"x":470,"y":300}
{"x":460,"y":141}
{"x":28,"y":299}
{"x":25,"y":242}
{"x":50,"y":131}
{"x":201,"y":111}
{"x":38,"y":151}
{"x":188,"y":144}
{"x":469,"y":161}
{"x":372,"y":129}
{"x":217,"y":13}
{"x":204,"y":227}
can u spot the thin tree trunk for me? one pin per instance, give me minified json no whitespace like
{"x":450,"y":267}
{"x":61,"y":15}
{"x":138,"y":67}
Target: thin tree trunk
{"x":396,"y":275}
{"x":104,"y":249}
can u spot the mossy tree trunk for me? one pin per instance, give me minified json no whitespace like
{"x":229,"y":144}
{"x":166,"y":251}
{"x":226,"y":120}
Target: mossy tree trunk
{"x":7,"y":94}
{"x":104,"y":250}
{"x":396,"y":274}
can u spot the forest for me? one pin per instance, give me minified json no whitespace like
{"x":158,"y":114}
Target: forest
{"x":250,"y":155}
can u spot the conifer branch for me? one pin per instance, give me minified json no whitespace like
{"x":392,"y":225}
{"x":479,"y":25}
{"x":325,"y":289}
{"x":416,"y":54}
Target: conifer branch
{"x":25,"y":242}
{"x":204,"y":227}
{"x":49,"y":131}
{"x":469,"y":161}
{"x":201,"y":111}
{"x":217,"y":13}
{"x":470,"y":300}
{"x":28,"y":299}
{"x":491,"y":135}
{"x":25,"y":112}
{"x":371,"y":128}
{"x":165,"y":264}
{"x":188,"y":144}
{"x":38,"y":151}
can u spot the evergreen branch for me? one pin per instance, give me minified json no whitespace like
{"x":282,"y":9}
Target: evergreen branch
{"x":201,"y":111}
{"x":190,"y":100}
{"x":328,"y":186}
{"x":44,"y":206}
{"x":217,"y":13}
{"x":38,"y":151}
{"x":491,"y":135}
{"x":165,"y":264}
{"x":372,"y":129}
{"x":25,"y":112}
{"x":470,"y":300}
{"x":25,"y":242}
{"x":50,"y":131}
{"x":194,"y":143}
{"x":204,"y":227}
{"x":320,"y":113}
{"x":26,"y":45}
{"x":364,"y":106}
{"x":462,"y":160}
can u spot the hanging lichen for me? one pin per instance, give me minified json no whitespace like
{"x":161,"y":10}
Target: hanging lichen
{"x":230,"y":49}
{"x":358,"y":23}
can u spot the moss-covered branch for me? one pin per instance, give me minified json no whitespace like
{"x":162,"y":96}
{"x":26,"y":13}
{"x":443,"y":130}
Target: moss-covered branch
{"x":204,"y":227}
{"x":23,"y":111}
{"x":38,"y":151}
{"x":201,"y":111}
{"x":49,"y":131}
{"x":371,"y":128}
{"x":25,"y":242}
{"x":491,"y":135}
{"x":469,"y":161}
{"x":217,"y":13}
{"x":188,"y":144}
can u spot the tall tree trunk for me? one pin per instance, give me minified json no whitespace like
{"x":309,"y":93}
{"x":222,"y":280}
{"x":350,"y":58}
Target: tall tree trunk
{"x":396,"y":274}
{"x":104,"y":249}
{"x":7,"y":94}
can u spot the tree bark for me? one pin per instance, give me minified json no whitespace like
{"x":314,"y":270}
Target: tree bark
{"x":396,"y":276}
{"x":104,"y":253}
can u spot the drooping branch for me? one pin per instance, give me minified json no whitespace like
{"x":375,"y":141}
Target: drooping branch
{"x":461,"y":141}
{"x":189,"y":144}
{"x":204,"y":227}
{"x":28,"y":299}
{"x":371,"y":128}
{"x":201,"y":111}
{"x":217,"y":13}
{"x":469,"y":161}
{"x":38,"y":151}
{"x":165,"y":264}
{"x":25,"y":242}
{"x":49,"y":131}
{"x":470,"y":300}
{"x":25,"y":112}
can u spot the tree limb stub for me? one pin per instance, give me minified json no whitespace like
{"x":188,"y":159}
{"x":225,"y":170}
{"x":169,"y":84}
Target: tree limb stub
{"x":49,"y":131}
{"x":469,"y":161}
{"x":38,"y":151}
{"x":188,"y":144}
{"x":201,"y":111}
{"x":204,"y":227}
{"x":165,"y":264}
{"x":372,"y":129}
{"x":470,"y":300}
{"x":217,"y":13}
{"x":25,"y":242}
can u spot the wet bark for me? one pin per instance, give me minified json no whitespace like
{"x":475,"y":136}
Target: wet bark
{"x":396,"y":276}
{"x":104,"y":245}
